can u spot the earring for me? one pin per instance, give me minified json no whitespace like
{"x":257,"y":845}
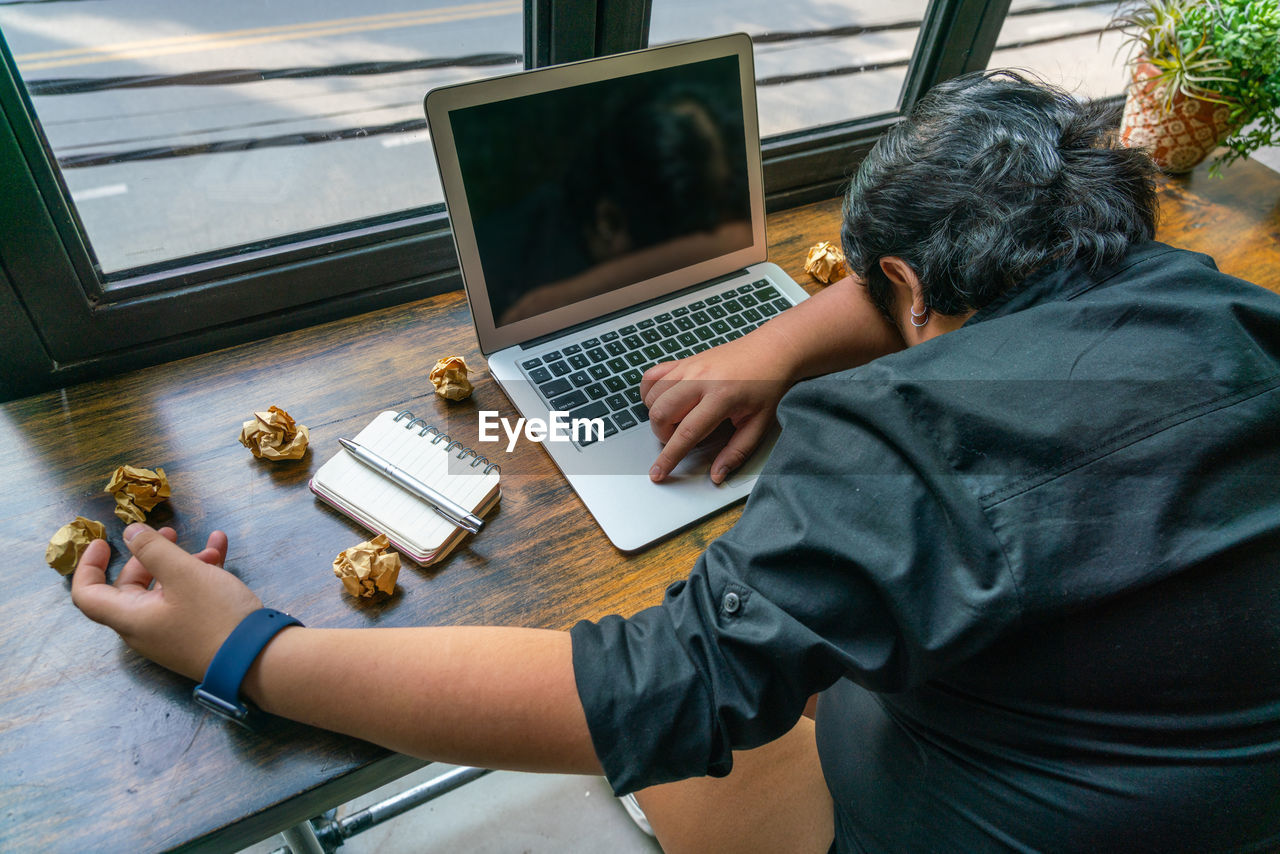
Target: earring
{"x":924,"y":314}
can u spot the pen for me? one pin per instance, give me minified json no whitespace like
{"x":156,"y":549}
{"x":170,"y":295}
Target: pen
{"x":442,"y":504}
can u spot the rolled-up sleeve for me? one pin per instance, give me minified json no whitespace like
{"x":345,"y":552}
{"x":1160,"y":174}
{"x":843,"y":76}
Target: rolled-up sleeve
{"x":859,"y":555}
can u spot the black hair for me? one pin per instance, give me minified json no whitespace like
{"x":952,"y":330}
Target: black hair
{"x":990,"y":178}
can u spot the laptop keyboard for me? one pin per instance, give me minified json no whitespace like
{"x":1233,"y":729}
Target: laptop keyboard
{"x":599,"y":377}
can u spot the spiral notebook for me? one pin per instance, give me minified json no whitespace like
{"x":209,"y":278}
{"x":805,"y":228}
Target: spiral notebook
{"x":409,"y":522}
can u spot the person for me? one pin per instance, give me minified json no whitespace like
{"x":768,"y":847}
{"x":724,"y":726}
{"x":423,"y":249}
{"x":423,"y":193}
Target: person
{"x":1025,"y":554}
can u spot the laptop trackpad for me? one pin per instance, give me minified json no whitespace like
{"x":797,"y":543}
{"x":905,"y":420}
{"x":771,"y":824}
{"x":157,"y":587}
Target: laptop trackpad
{"x":633,"y":511}
{"x":698,"y":461}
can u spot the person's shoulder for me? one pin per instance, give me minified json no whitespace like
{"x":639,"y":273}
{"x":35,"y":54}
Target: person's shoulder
{"x":1154,"y":296}
{"x":1154,"y":253}
{"x":1177,"y":293}
{"x":1172,"y":270}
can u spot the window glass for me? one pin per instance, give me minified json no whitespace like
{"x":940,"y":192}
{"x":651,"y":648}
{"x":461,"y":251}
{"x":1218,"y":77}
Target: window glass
{"x":1067,"y":44}
{"x":817,"y":63}
{"x":186,"y":128}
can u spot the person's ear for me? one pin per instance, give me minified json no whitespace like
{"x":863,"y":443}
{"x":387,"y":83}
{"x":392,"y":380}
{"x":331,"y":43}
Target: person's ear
{"x":911,"y":314}
{"x":905,"y":281}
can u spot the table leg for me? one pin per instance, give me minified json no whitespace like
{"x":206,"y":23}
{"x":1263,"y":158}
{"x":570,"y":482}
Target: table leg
{"x":301,"y":839}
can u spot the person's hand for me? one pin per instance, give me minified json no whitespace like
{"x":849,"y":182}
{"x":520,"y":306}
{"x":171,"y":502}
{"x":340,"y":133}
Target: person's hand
{"x":741,"y":381}
{"x":181,"y":620}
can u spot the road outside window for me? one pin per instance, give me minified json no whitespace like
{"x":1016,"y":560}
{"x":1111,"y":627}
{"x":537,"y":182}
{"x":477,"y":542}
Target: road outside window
{"x":1065,"y":43}
{"x":186,"y":128}
{"x":817,"y":62}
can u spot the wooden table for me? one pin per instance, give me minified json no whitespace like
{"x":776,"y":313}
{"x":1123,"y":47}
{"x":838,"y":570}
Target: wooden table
{"x":102,"y":751}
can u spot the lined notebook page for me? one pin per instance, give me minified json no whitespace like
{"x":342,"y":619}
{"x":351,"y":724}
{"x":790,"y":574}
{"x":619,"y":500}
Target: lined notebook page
{"x":401,"y":514}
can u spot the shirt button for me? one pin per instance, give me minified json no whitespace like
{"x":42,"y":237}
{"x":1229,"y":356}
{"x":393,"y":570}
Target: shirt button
{"x":731,"y":603}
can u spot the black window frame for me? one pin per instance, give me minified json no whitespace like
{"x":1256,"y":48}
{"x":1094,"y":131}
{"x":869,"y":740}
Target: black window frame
{"x":63,"y":323}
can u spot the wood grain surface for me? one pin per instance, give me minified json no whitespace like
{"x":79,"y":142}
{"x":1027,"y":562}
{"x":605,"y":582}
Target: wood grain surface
{"x":102,"y":751}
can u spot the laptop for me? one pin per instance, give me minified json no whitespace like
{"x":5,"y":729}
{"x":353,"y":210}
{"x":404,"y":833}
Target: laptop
{"x":609,"y":215}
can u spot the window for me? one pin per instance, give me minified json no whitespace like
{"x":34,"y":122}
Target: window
{"x":189,"y":131}
{"x":176,"y":179}
{"x":816,"y":65}
{"x":1065,"y":43}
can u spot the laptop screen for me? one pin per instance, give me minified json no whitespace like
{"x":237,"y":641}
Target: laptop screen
{"x":583,"y":190}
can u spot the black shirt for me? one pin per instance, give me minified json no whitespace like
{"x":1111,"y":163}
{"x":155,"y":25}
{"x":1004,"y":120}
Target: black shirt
{"x":1034,"y":566}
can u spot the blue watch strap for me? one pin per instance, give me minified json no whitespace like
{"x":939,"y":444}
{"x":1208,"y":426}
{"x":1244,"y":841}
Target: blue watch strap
{"x":220,"y":690}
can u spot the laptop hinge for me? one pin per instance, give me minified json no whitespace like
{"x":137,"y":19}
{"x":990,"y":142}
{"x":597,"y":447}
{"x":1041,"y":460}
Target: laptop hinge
{"x":569,"y":330}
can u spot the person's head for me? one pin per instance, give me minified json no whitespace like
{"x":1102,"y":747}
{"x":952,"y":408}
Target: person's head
{"x":660,"y":168}
{"x":990,"y":178}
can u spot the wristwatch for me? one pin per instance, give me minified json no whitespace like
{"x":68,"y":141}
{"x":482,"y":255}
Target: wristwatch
{"x":220,"y":690}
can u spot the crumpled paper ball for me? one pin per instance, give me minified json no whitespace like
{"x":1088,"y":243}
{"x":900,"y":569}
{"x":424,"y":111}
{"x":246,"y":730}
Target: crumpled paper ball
{"x":69,"y":543}
{"x":368,"y":568}
{"x":449,"y":376}
{"x":137,"y":491}
{"x":825,"y":263}
{"x":275,"y":436}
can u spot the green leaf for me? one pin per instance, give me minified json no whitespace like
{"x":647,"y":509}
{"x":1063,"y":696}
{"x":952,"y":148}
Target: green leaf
{"x":1220,"y":51}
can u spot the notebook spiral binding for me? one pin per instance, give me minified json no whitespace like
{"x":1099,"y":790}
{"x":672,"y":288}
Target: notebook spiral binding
{"x":450,"y":444}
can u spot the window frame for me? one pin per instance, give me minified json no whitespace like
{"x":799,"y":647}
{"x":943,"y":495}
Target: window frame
{"x":64,"y":323}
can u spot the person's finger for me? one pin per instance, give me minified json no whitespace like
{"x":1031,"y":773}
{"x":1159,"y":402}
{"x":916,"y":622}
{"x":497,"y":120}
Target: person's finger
{"x":739,"y":447}
{"x":165,"y":560}
{"x":92,"y":568}
{"x":134,"y":573}
{"x":673,"y":405}
{"x":215,"y":550}
{"x":652,"y":375}
{"x":670,"y":402}
{"x":90,"y":592}
{"x":692,"y":429}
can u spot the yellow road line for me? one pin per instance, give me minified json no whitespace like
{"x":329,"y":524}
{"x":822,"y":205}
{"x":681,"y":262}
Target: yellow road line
{"x":261,"y":35}
{"x":124,"y":46}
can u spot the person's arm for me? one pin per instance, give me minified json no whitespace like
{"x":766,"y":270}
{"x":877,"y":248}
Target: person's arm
{"x":835,"y":329}
{"x":487,"y":696}
{"x":744,"y":379}
{"x":494,"y":697}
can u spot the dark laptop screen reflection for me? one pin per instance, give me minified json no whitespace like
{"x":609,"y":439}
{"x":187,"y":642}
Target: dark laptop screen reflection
{"x":581,"y":191}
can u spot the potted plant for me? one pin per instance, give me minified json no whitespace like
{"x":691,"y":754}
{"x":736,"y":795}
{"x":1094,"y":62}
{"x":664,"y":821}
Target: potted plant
{"x":1204,"y":73}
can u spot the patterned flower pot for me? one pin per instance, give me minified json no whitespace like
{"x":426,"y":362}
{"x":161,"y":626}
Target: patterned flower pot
{"x":1177,"y":139}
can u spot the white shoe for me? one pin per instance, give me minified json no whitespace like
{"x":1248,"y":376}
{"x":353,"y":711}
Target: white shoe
{"x":632,"y":807}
